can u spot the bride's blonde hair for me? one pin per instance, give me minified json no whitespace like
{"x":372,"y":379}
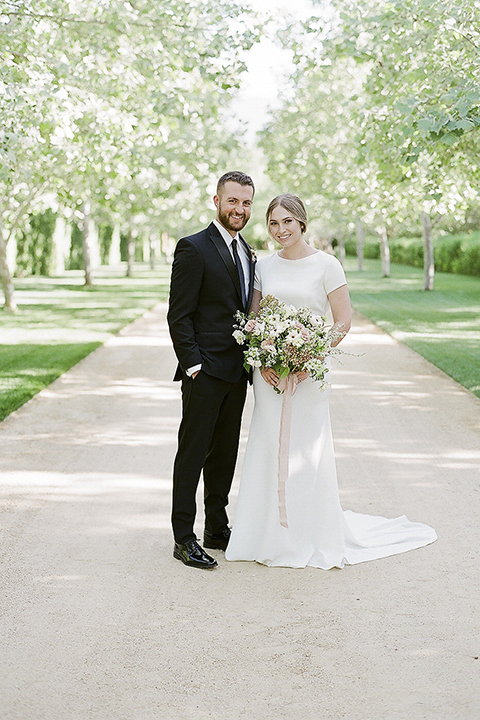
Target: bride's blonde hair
{"x":293,"y":205}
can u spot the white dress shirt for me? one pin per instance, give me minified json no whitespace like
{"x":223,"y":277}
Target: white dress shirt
{"x":244,"y":259}
{"x":242,"y":251}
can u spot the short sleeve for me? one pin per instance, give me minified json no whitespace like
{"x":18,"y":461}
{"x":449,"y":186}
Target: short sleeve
{"x":334,"y":275}
{"x":257,"y":283}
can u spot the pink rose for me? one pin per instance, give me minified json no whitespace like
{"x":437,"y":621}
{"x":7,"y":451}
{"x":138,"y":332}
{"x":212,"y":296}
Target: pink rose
{"x":250,"y":325}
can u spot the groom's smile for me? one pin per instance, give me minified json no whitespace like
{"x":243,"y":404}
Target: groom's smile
{"x":234,"y":206}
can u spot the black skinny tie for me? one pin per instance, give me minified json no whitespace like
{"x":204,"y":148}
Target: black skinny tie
{"x":241,"y":276}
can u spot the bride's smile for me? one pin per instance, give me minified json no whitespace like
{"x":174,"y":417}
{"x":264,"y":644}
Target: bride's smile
{"x":289,"y":232}
{"x":284,"y":228}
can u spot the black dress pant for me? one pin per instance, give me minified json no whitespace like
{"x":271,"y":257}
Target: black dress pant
{"x":207,"y":439}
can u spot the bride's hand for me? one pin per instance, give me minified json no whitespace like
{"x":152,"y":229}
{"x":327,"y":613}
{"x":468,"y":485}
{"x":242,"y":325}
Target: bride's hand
{"x":270,"y":376}
{"x":302,"y":375}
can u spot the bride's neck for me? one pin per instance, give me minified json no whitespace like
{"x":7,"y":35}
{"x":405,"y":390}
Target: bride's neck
{"x":297,"y":251}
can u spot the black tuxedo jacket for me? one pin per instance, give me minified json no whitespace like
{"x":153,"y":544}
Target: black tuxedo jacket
{"x":204,"y":296}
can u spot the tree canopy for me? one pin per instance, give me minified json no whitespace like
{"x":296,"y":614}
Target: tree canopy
{"x":381,"y":119}
{"x":116,"y":103}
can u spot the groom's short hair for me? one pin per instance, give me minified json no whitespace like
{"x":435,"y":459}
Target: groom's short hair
{"x":235,"y":176}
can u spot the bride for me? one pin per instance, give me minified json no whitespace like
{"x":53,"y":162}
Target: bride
{"x":318,"y":533}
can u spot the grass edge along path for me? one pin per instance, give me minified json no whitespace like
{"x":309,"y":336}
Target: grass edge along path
{"x":60,"y":322}
{"x":442,"y":325}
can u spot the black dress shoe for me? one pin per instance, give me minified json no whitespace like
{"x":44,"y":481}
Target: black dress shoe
{"x":219,"y":541}
{"x":193,"y":555}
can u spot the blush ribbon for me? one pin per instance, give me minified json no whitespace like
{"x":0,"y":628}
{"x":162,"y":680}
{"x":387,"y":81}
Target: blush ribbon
{"x":287,"y":386}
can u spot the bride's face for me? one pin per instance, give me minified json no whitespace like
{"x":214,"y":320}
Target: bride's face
{"x":284,"y":228}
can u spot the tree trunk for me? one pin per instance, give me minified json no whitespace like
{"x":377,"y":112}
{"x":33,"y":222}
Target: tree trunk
{"x":341,"y":248}
{"x":384,"y":252}
{"x":12,"y":246}
{"x":114,"y":257}
{"x":360,"y":231}
{"x":86,"y":240}
{"x":130,"y":251}
{"x":6,"y":276}
{"x":153,"y":250}
{"x":61,"y":240}
{"x":167,"y":246}
{"x":146,"y":249}
{"x":428,"y":256}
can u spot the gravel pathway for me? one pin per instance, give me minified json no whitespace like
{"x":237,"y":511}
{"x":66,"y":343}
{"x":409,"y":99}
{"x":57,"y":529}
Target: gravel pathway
{"x":98,"y":621}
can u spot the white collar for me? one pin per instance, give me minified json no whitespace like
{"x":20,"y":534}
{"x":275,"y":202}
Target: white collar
{"x":224,"y":233}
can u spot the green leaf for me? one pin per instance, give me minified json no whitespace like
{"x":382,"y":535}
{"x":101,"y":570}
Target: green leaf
{"x":449,"y":139}
{"x":465,"y":124}
{"x":426,"y":124}
{"x":281,"y":370}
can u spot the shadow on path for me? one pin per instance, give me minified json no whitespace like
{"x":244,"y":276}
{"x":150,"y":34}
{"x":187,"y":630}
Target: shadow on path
{"x":99,"y":621}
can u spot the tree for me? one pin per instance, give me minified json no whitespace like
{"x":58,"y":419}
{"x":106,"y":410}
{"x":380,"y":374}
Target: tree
{"x":421,"y":97}
{"x":89,"y":90}
{"x":422,"y":87}
{"x":383,"y":111}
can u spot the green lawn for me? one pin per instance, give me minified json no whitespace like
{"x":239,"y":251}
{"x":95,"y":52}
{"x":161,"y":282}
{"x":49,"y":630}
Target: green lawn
{"x":60,"y":322}
{"x":443,"y":325}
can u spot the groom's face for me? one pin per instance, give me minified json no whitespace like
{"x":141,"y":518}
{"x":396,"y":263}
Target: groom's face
{"x":234,"y":206}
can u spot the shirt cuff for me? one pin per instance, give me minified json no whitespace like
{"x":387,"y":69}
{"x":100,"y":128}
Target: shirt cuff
{"x":193,"y":369}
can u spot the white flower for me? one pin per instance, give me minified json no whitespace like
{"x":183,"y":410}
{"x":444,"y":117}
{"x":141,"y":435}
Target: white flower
{"x":281,"y":327}
{"x":268,"y":346}
{"x":295,"y":338}
{"x":239,"y":336}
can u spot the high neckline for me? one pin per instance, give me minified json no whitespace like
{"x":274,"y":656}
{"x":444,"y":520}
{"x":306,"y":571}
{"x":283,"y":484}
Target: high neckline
{"x":297,"y":259}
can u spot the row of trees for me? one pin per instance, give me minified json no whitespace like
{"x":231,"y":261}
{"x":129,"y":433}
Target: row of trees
{"x":113,"y":116}
{"x":113,"y":111}
{"x":380,"y":123}
{"x":48,"y":244}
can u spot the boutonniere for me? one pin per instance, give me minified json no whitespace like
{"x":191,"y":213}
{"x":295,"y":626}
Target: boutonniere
{"x":252,"y":254}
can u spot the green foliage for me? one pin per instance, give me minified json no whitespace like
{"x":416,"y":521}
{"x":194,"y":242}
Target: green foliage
{"x":407,"y":253}
{"x":371,"y":248}
{"x":34,"y":244}
{"x":105,"y":232}
{"x":447,"y":253}
{"x":310,"y":144}
{"x":467,"y":262}
{"x":426,"y":54}
{"x":459,"y":254}
{"x":116,"y":105}
{"x":75,"y":261}
{"x":379,"y":122}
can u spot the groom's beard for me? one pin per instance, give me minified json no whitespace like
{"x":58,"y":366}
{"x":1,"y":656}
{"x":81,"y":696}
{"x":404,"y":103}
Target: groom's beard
{"x":231,"y":223}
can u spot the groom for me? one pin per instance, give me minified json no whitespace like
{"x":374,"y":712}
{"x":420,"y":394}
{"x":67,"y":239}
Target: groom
{"x":212,"y":278}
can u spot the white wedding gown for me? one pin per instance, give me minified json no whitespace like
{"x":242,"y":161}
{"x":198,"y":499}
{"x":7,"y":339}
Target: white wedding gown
{"x":319,"y":534}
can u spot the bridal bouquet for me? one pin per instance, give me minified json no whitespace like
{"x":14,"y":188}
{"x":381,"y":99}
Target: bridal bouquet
{"x":286,"y":338}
